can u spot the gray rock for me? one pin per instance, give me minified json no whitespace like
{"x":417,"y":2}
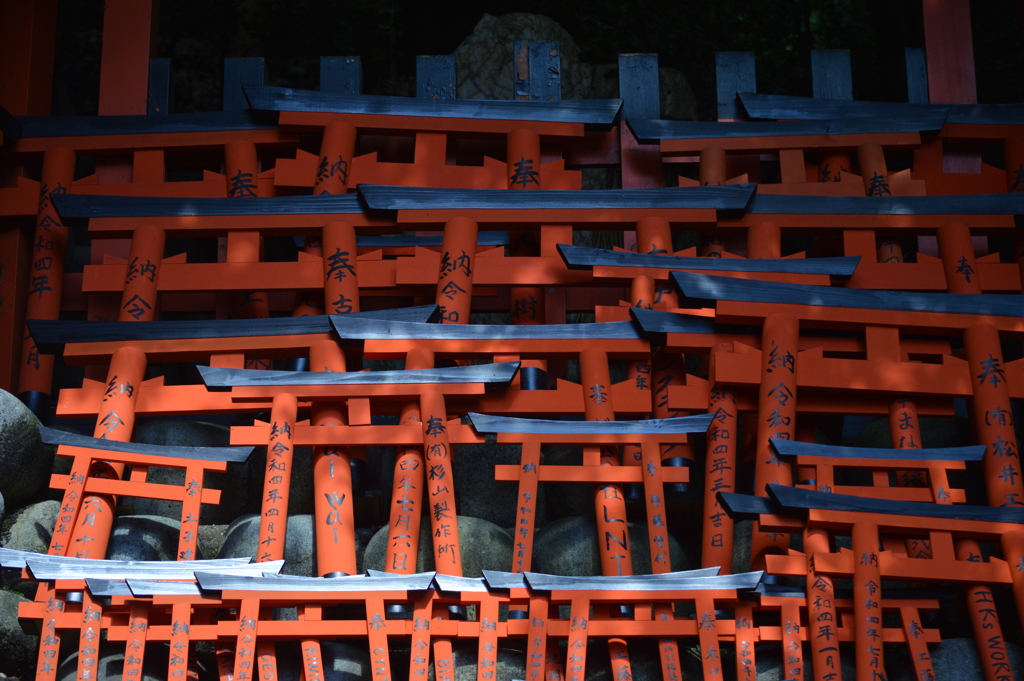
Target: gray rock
{"x":741,"y":536}
{"x":644,"y":661}
{"x":211,"y":538}
{"x":569,"y":547}
{"x":142,"y":537}
{"x":572,"y":499}
{"x":24,"y":459}
{"x":484,"y":66}
{"x":111,"y":663}
{"x":484,"y":59}
{"x":339,"y":661}
{"x":28,"y":529}
{"x":17,"y":650}
{"x":242,"y":539}
{"x":485,"y":546}
{"x":511,"y":663}
{"x":240,"y":486}
{"x":479,"y":494}
{"x":953,"y":658}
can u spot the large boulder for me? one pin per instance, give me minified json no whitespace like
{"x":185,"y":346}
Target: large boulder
{"x":484,"y":66}
{"x":484,"y":546}
{"x":510,"y":663}
{"x":24,"y":459}
{"x":484,"y":59}
{"x":17,"y":650}
{"x":570,"y":547}
{"x":240,"y":486}
{"x":242,"y":539}
{"x":28,"y":529}
{"x":339,"y":661}
{"x":110,"y":664}
{"x":954,"y":658}
{"x":144,"y":537}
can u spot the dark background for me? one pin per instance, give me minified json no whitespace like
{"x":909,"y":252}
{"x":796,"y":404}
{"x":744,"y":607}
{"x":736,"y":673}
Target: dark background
{"x":292,"y":35}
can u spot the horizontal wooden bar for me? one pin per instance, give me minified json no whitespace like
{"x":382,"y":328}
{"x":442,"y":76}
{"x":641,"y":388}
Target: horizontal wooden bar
{"x":586,"y":111}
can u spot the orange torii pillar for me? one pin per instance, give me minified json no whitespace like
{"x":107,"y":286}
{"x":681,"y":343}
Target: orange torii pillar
{"x":241,"y":168}
{"x":867,"y":596}
{"x":455,"y":279}
{"x":277,"y":479}
{"x":822,"y":623}
{"x":776,"y":417}
{"x":332,"y":477}
{"x":1013,"y":162}
{"x":720,"y":471}
{"x":127,"y":371}
{"x":871,"y":159}
{"x":407,"y":491}
{"x":612,"y":529}
{"x":337,"y":148}
{"x":440,"y":503}
{"x":993,"y":421}
{"x":833,"y":164}
{"x":46,"y":278}
{"x":712,"y":173}
{"x":523,"y":172}
{"x":310,"y":303}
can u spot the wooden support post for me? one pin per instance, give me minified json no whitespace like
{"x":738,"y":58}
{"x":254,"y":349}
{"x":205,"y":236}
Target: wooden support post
{"x":613,"y":536}
{"x":523,"y":171}
{"x":440,"y":497}
{"x":455,"y":279}
{"x":712,"y":167}
{"x":653,"y":237}
{"x":135,"y":646}
{"x":116,"y":421}
{"x":612,"y":530}
{"x":277,"y":481}
{"x":822,"y":623}
{"x":310,"y":303}
{"x":332,"y":477}
{"x":871,"y":161}
{"x":776,"y":417}
{"x":140,"y":300}
{"x":1013,"y":162}
{"x":867,"y":593}
{"x":336,"y":152}
{"x":341,"y":281}
{"x":792,"y":643}
{"x":988,"y":633}
{"x":407,"y":492}
{"x":833,"y":164}
{"x":89,"y":637}
{"x":993,"y":421}
{"x":720,"y":470}
{"x":46,"y":277}
{"x":764,"y":241}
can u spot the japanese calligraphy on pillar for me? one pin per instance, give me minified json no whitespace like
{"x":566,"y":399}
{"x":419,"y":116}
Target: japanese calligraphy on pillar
{"x":455,"y":273}
{"x":440,"y":490}
{"x":277,"y":481}
{"x":576,"y":652}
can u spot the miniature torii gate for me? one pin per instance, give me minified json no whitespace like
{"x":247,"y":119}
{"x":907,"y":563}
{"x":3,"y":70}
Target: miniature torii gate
{"x":869,"y":517}
{"x":62,"y":586}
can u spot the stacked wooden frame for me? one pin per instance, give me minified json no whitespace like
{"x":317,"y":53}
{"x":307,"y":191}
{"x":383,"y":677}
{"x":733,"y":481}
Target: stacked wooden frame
{"x":733,"y":347}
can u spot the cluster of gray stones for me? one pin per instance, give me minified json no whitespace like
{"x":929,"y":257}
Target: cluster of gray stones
{"x":565,"y":544}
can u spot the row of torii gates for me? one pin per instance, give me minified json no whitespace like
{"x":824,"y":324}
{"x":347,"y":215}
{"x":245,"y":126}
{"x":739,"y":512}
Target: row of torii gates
{"x":491,"y":191}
